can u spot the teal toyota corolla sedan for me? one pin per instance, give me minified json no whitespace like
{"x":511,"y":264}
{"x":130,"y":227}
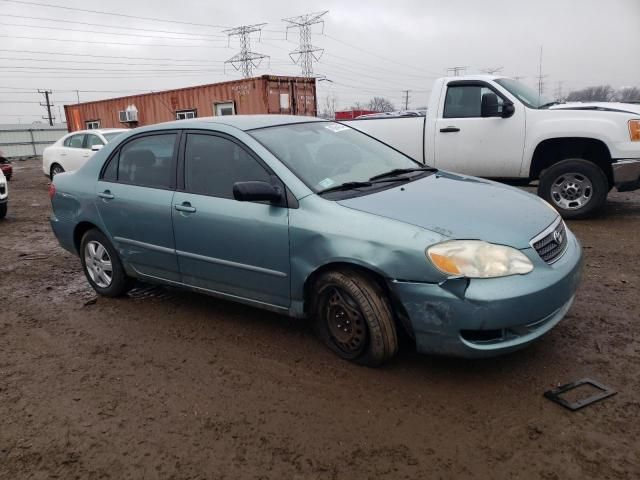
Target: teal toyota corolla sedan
{"x":311,"y":218}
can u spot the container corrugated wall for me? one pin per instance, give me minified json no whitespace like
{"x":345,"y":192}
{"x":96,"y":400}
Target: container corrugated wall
{"x":266,"y":94}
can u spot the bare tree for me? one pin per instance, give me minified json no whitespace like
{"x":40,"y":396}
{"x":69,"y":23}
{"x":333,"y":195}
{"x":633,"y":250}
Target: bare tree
{"x":358,"y":106}
{"x":600,"y":93}
{"x":380,"y":104}
{"x":329,"y":107}
{"x":629,"y":94}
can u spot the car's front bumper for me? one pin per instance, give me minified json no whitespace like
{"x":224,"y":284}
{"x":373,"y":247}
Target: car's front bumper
{"x":626,"y":174}
{"x":491,"y":316}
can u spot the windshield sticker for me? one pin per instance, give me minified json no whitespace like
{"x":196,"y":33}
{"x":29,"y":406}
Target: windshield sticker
{"x":326,"y":183}
{"x":336,"y":127}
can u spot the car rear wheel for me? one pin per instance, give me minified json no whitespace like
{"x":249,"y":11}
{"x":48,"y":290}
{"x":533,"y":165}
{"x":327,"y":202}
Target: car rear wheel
{"x":576,"y":188}
{"x":56,"y":169}
{"x":102,"y":265}
{"x":353,"y":317}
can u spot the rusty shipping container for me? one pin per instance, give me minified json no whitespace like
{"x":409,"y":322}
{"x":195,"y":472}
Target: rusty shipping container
{"x":265,"y":94}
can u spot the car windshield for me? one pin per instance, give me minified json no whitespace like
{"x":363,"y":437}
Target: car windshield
{"x":527,"y":95}
{"x":108,"y":136}
{"x":326,"y":154}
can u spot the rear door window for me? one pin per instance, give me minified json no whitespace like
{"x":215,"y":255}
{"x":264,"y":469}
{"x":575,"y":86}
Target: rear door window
{"x":93,"y":140}
{"x":74,"y":141}
{"x":148,"y":161}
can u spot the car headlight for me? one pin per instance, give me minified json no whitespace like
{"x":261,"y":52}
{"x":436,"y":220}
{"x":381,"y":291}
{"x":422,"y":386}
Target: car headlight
{"x":478,"y":259}
{"x":634,"y":130}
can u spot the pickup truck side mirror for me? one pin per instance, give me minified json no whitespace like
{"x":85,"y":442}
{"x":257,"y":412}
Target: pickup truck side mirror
{"x":490,"y":106}
{"x":508,"y":109}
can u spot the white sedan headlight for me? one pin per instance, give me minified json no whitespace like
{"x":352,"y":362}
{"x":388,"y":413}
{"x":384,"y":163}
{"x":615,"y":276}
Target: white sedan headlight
{"x":478,"y":259}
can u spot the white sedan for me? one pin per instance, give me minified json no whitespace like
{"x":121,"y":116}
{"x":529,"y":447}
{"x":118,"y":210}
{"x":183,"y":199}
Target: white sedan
{"x":73,"y":150}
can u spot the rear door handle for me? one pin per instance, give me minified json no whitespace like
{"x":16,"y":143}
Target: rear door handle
{"x":185,"y":207}
{"x":107,"y":195}
{"x":449,"y":129}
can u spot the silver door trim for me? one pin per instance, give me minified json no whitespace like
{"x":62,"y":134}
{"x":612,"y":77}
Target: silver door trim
{"x":228,"y":263}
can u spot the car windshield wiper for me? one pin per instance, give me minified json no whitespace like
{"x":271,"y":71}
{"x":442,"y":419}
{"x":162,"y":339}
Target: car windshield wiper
{"x":345,"y":186}
{"x":549,"y":104}
{"x":371,"y":182}
{"x":400,"y":171}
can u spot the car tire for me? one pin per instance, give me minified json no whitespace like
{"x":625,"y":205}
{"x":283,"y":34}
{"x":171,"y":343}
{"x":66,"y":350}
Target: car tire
{"x":576,"y":188}
{"x":3,"y":210}
{"x":102,"y":265}
{"x":353,"y":317}
{"x":55,"y":170}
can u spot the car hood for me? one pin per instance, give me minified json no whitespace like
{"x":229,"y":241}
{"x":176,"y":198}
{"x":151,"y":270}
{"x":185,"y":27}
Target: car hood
{"x":462,"y":208}
{"x":599,"y":106}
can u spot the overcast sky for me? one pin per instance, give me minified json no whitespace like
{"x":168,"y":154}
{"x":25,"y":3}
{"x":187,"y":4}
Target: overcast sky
{"x":370,"y":47}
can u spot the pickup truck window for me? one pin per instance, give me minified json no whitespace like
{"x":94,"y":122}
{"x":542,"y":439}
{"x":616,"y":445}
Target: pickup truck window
{"x":464,"y":101}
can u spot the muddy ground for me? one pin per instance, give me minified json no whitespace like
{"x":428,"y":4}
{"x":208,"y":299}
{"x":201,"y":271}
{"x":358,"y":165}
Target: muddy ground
{"x":168,"y":384}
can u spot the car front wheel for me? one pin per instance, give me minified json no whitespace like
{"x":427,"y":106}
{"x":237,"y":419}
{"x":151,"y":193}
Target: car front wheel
{"x":102,"y":265}
{"x":576,"y":188}
{"x":353,"y":317}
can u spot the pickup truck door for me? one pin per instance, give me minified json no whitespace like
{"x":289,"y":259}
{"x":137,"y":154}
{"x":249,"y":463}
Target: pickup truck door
{"x":467,"y":143}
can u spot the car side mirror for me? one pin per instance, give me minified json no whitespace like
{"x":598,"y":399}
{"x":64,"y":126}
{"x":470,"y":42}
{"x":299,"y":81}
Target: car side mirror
{"x":255,"y":191}
{"x":489,"y":105}
{"x":95,"y":148}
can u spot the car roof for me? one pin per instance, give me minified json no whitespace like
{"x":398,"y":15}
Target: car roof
{"x":100,"y":130}
{"x":242,"y":122}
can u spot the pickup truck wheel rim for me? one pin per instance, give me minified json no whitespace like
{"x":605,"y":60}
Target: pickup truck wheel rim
{"x":98,"y":264}
{"x":571,"y":191}
{"x":345,"y":321}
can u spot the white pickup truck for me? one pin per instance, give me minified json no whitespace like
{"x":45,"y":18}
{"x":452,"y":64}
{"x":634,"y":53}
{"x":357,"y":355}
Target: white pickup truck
{"x":496,"y":127}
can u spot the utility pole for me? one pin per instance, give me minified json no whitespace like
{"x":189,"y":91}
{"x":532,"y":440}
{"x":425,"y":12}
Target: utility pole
{"x":246,"y":60}
{"x":491,"y":70}
{"x":558,"y":92}
{"x":406,"y":99}
{"x":455,"y":71}
{"x":540,"y":77}
{"x":48,"y":104}
{"x":306,"y":53}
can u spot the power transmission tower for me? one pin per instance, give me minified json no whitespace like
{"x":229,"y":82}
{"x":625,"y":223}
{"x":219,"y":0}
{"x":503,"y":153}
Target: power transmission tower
{"x":47,"y":104}
{"x":491,"y":70}
{"x":518,"y":77}
{"x":540,"y":77}
{"x":455,"y":71}
{"x":306,"y":53}
{"x":406,"y":99}
{"x":246,"y":60}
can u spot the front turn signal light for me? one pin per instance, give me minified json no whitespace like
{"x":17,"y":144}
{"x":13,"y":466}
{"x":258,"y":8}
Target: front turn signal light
{"x":634,"y":130}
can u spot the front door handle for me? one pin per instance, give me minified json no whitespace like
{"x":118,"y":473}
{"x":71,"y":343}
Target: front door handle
{"x":107,"y":195}
{"x":185,"y":207}
{"x":449,"y":129}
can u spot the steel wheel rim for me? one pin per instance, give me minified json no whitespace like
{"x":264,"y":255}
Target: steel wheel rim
{"x":571,"y":191}
{"x":345,"y":322}
{"x":98,"y":264}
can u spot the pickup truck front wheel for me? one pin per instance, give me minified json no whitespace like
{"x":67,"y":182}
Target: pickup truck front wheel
{"x":576,"y":188}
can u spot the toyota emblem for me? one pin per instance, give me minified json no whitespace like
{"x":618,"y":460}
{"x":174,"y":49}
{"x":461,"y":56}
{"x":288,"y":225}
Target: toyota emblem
{"x":557,"y":236}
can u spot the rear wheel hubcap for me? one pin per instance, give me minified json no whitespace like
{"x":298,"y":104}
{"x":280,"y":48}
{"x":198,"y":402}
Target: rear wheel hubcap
{"x":98,"y":264}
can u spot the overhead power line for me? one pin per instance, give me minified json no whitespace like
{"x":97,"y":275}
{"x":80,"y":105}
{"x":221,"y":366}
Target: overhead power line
{"x":306,"y":53}
{"x":102,"y":42}
{"x":122,"y":15}
{"x":246,"y":60}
